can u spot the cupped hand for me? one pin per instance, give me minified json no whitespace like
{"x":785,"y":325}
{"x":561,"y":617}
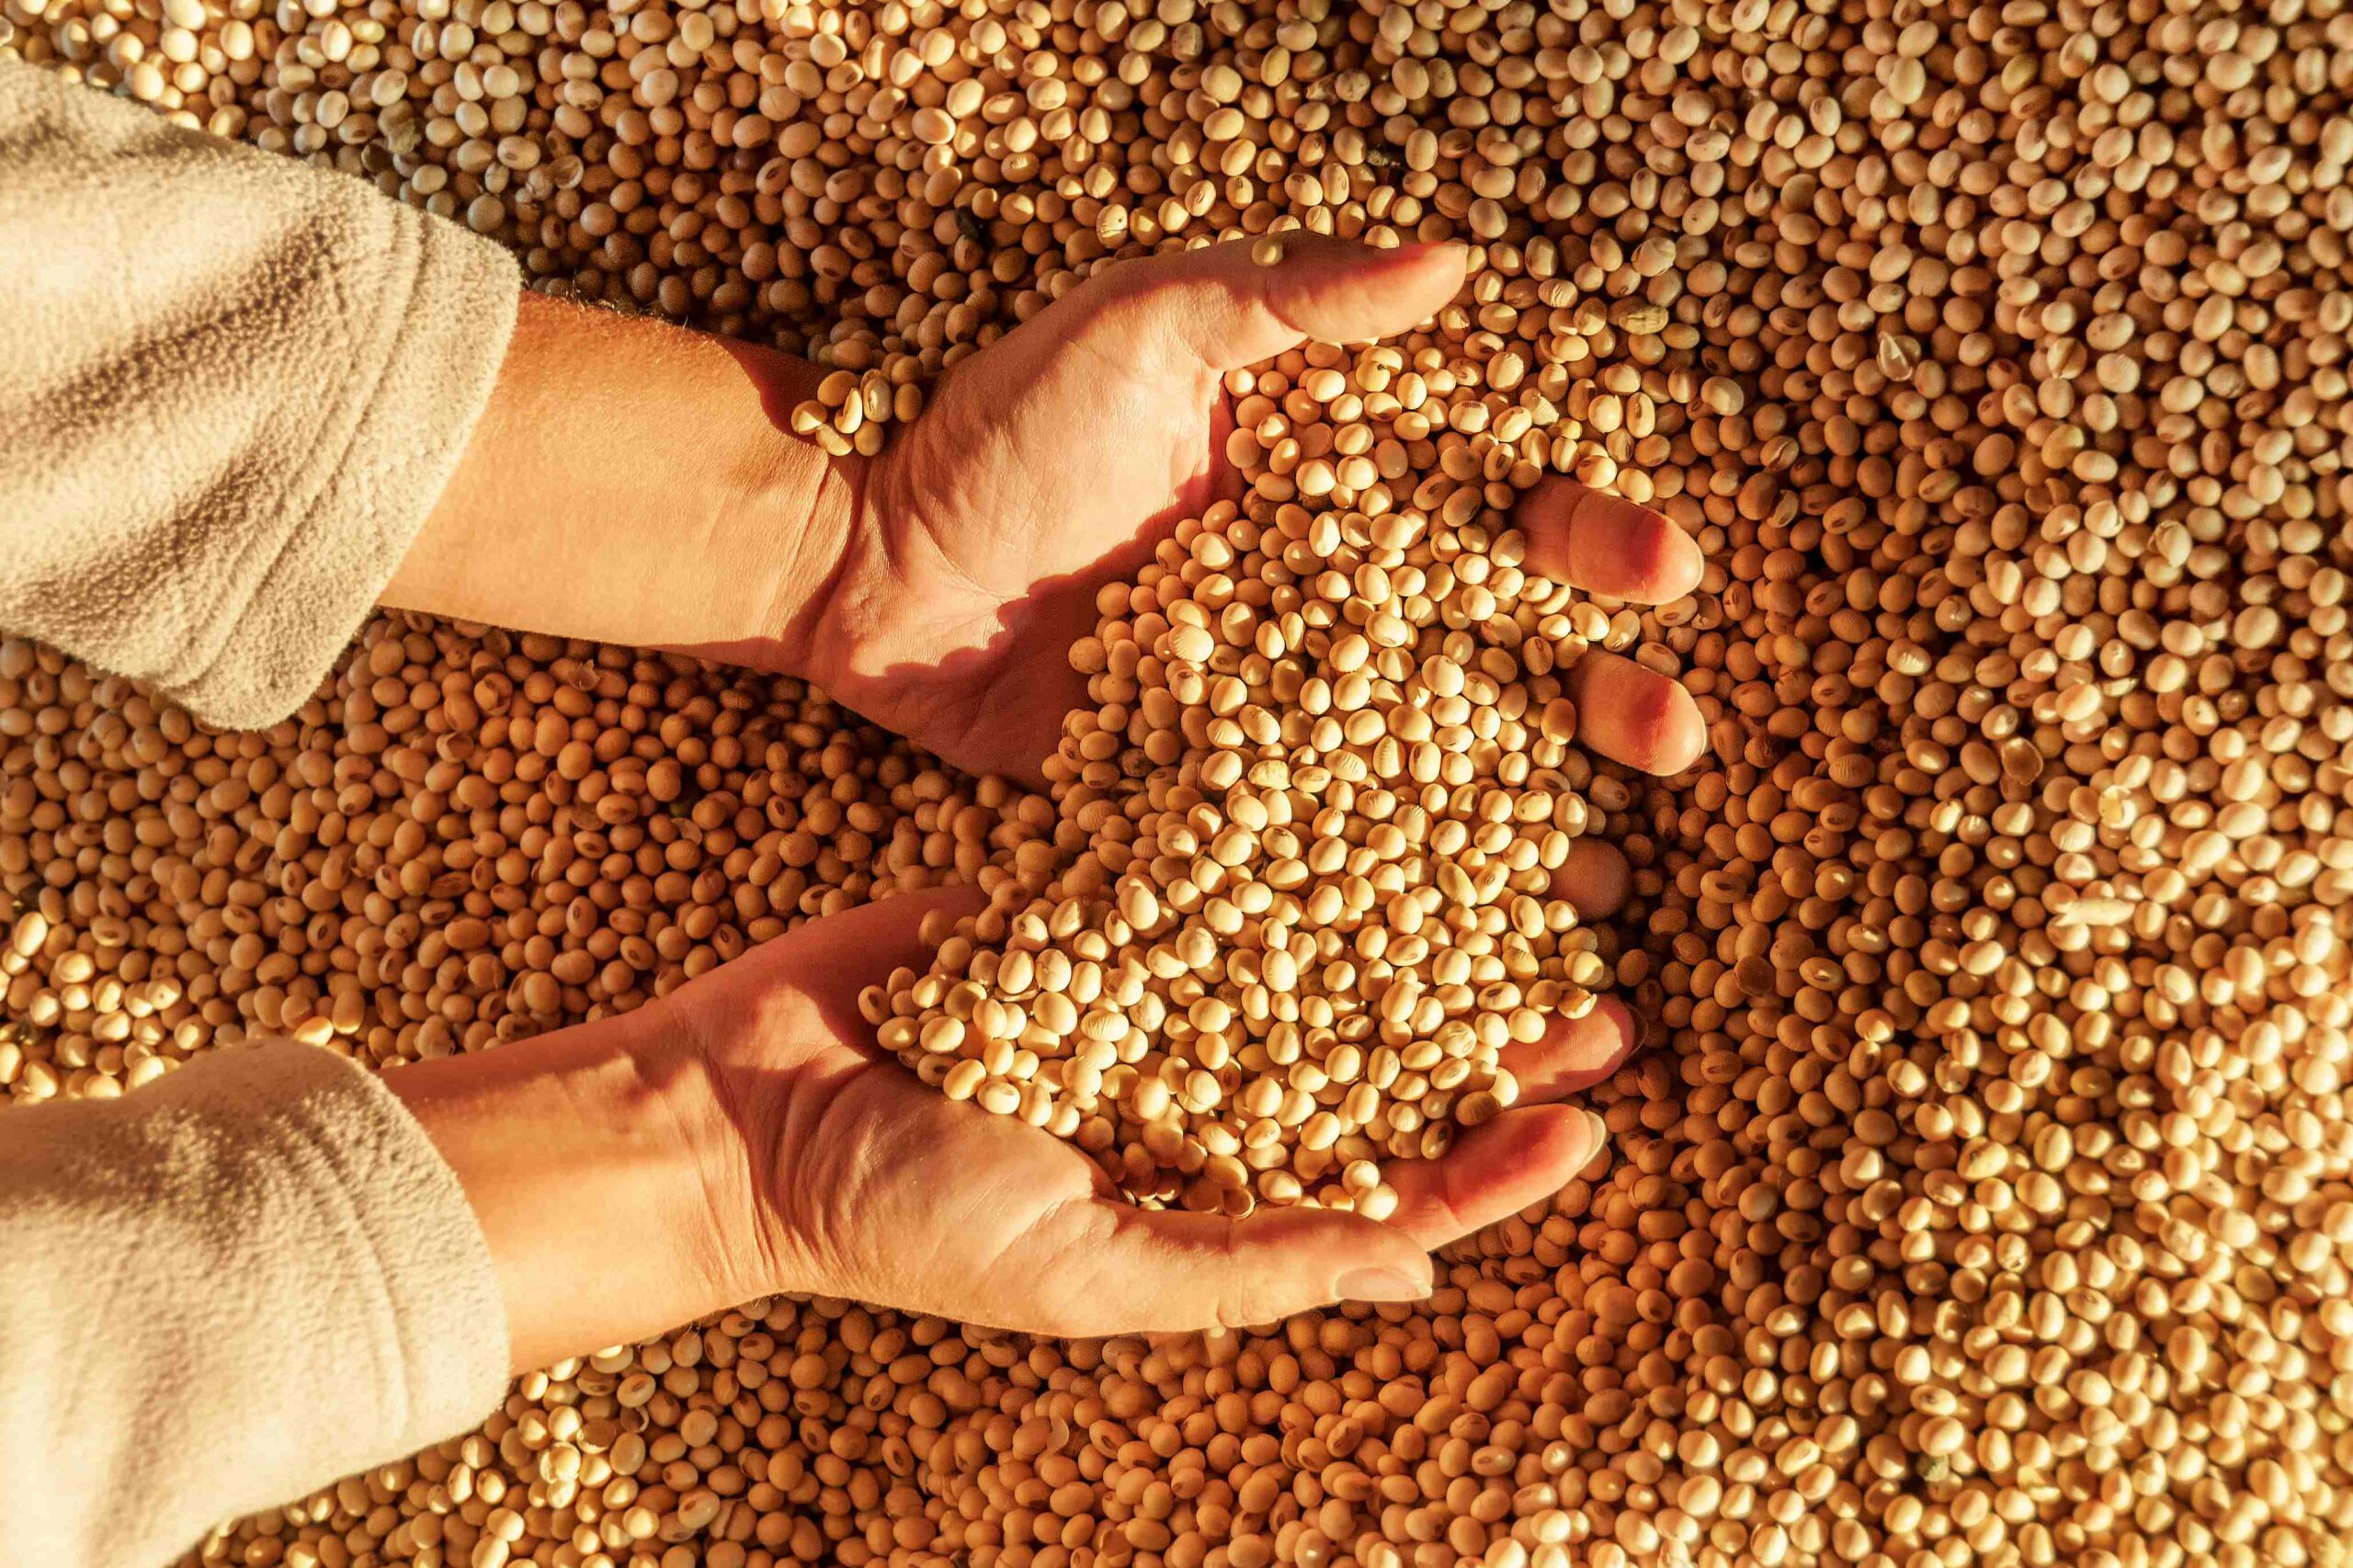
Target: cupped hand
{"x":1048,"y":464}
{"x":832,"y":1169}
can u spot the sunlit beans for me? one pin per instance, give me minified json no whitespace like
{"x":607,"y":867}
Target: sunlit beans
{"x":1987,"y":1195}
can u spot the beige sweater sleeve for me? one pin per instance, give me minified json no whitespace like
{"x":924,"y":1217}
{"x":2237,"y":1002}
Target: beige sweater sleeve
{"x":230,"y":387}
{"x":247,"y":1281}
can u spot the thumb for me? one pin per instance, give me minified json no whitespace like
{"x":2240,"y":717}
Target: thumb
{"x":1237,"y":303}
{"x":1168,"y":1271}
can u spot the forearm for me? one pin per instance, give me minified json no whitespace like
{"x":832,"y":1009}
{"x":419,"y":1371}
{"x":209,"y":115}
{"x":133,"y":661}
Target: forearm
{"x":633,"y":482}
{"x":587,"y":1158}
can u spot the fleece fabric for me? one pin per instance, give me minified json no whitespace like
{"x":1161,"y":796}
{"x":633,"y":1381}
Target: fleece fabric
{"x":231,"y":387}
{"x":243,"y":1281}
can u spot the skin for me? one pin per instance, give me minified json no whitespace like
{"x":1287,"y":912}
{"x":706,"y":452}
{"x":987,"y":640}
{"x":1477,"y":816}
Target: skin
{"x":746,"y":1135}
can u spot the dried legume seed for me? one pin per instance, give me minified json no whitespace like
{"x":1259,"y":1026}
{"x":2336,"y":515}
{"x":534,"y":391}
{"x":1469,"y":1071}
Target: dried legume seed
{"x":1999,"y":377}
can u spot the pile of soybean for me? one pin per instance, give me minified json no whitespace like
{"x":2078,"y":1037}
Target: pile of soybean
{"x":1989,"y":1197}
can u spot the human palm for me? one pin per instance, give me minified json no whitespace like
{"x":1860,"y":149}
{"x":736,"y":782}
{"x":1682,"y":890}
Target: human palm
{"x":1048,"y":466}
{"x":842,"y":1174}
{"x":1051,"y":463}
{"x":1041,"y":473}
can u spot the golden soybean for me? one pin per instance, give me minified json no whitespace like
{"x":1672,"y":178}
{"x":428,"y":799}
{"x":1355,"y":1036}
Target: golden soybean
{"x":1988,"y":1199}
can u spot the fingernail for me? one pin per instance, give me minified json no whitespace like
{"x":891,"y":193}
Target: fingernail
{"x":1381,"y":1285}
{"x":1596,"y":1134}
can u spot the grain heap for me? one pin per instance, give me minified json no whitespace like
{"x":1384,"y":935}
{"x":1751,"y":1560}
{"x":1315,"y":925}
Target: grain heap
{"x":1324,"y":793}
{"x":1993,"y":1200}
{"x":466,"y":837}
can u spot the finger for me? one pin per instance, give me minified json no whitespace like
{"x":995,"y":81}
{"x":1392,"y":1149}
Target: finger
{"x":1167,"y":1270}
{"x":1572,"y":1054}
{"x":1605,"y":544}
{"x":1595,"y":878}
{"x":869,"y":940}
{"x":1236,"y":303}
{"x":832,"y":962}
{"x":1635,"y":715}
{"x":1494,"y":1171}
{"x":1222,"y":481}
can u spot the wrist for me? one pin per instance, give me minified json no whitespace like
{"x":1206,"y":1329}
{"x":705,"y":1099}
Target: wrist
{"x":635,"y":483}
{"x":716,"y":1142}
{"x":804,"y":604}
{"x":799,"y":512}
{"x":586,"y":1156}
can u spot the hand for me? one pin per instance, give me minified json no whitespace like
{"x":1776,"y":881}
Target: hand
{"x":833,"y":1170}
{"x":1048,"y":464}
{"x":746,"y":1136}
{"x":630,"y":483}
